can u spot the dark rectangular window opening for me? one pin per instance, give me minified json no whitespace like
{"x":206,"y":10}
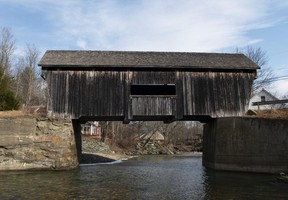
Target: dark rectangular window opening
{"x":262,"y":98}
{"x":158,"y":89}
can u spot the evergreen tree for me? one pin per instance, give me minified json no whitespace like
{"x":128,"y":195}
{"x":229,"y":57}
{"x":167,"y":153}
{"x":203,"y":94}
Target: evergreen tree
{"x":7,"y":98}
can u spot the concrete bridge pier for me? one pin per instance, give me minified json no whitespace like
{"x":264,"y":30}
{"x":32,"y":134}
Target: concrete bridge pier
{"x":246,"y":144}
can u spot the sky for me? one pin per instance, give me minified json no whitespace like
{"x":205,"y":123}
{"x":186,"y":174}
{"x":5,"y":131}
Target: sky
{"x":153,"y":25}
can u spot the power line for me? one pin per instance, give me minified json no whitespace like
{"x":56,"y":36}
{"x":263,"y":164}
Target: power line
{"x":279,"y":78}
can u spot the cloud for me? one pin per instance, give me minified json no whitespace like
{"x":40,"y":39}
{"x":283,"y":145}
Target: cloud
{"x":155,"y":24}
{"x":170,"y":26}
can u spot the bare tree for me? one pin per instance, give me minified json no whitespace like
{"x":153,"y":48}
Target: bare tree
{"x":32,"y":55}
{"x":7,"y":48}
{"x":24,"y":80}
{"x":27,"y":77}
{"x":17,"y":85}
{"x":259,"y":57}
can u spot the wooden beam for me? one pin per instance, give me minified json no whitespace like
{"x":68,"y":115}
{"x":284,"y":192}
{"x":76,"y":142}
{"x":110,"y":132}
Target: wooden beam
{"x":269,"y":102}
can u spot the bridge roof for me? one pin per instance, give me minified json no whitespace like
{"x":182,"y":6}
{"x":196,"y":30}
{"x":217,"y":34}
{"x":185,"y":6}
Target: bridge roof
{"x":138,"y":59}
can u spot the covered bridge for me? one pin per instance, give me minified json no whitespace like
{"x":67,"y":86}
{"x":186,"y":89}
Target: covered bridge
{"x":166,"y":86}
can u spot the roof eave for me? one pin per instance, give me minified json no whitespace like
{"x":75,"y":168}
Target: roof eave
{"x":150,"y":66}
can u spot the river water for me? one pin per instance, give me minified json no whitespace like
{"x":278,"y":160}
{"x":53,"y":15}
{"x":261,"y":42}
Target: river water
{"x":147,"y":177}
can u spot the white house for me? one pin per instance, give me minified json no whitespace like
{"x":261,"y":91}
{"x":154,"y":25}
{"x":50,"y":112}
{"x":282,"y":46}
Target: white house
{"x":91,"y":128}
{"x":263,"y":95}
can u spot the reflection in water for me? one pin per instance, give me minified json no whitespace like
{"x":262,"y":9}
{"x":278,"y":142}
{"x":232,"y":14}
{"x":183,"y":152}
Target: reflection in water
{"x":231,"y":185}
{"x":150,"y":177}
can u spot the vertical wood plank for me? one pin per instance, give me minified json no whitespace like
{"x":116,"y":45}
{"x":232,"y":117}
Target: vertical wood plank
{"x":179,"y":99}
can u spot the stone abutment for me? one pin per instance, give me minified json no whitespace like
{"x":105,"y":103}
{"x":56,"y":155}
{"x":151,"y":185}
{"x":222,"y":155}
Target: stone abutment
{"x":31,"y":143}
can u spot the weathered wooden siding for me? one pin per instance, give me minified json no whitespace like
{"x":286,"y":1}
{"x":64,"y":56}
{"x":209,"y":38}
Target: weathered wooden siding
{"x":115,"y":85}
{"x":86,"y":93}
{"x":217,"y":94}
{"x":107,"y":93}
{"x":153,"y":106}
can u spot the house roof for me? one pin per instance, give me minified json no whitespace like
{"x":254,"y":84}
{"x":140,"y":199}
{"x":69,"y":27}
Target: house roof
{"x":268,"y":94}
{"x":60,"y":58}
{"x":156,"y":136}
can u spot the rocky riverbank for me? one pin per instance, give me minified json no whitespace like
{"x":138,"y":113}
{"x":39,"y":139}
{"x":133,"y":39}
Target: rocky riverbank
{"x":95,"y":151}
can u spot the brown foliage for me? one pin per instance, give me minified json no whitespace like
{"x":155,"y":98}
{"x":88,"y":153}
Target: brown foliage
{"x":272,"y":114}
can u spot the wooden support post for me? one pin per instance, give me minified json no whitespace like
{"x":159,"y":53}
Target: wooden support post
{"x":127,"y":100}
{"x":179,"y":100}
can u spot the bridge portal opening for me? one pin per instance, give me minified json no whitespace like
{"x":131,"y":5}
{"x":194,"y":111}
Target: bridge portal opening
{"x":98,"y":138}
{"x":153,"y":89}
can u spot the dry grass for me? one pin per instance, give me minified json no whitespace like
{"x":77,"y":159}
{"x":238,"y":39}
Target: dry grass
{"x":14,"y":113}
{"x":272,"y":114}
